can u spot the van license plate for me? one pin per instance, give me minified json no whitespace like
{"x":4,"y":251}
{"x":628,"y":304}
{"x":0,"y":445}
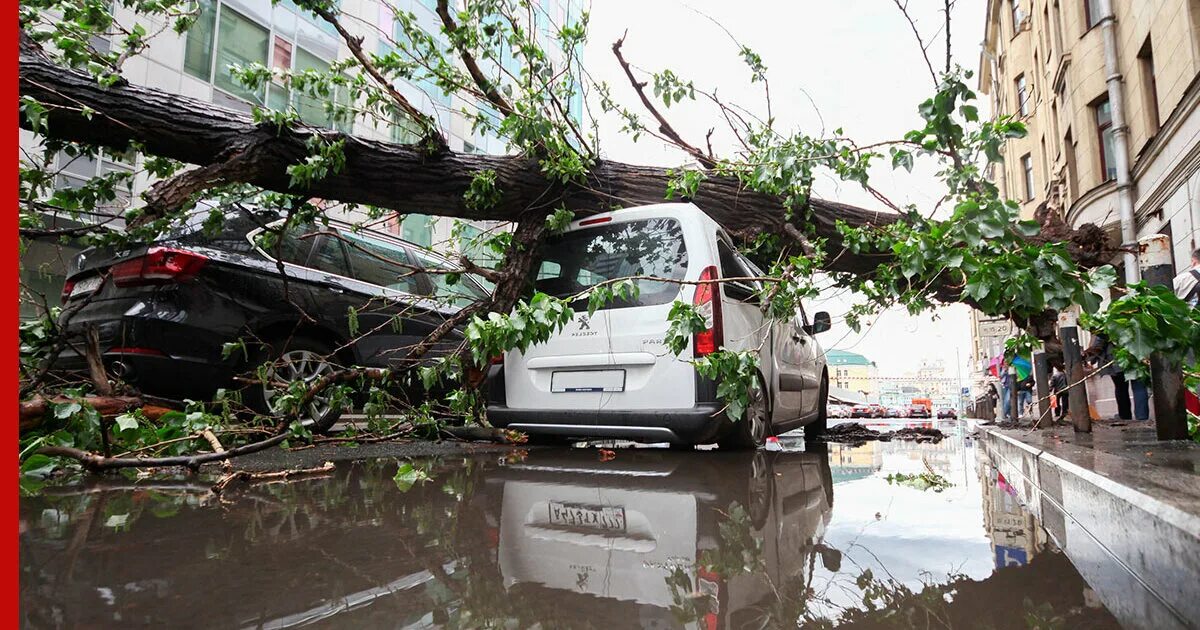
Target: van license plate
{"x":588,"y":381}
{"x":593,"y":517}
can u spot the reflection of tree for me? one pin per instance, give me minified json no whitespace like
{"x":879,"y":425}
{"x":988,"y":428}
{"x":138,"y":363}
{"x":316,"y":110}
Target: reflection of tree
{"x":272,"y":552}
{"x":740,"y":551}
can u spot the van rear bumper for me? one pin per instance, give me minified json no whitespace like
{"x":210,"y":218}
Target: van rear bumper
{"x":701,"y":424}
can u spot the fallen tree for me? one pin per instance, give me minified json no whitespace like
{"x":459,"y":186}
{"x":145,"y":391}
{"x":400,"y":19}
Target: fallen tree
{"x":761,"y":193}
{"x":397,"y":176}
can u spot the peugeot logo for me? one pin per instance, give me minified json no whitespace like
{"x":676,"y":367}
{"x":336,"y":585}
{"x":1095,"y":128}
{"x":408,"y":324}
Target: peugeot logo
{"x":584,"y":324}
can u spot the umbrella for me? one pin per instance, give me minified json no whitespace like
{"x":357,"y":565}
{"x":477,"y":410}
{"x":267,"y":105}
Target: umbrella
{"x":994,"y":366}
{"x":1023,"y":366}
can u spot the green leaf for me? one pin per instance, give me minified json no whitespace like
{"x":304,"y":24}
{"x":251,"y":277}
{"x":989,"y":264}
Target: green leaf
{"x":126,"y":421}
{"x":407,"y":475}
{"x":38,"y":465}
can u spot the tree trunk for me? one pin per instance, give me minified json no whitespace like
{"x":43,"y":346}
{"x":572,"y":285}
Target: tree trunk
{"x":399,"y":177}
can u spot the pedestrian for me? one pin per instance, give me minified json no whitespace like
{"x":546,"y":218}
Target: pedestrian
{"x":1006,"y":385}
{"x":1187,"y":287}
{"x":1025,"y":396}
{"x":1100,"y":351}
{"x":1187,"y":283}
{"x":1058,"y":385}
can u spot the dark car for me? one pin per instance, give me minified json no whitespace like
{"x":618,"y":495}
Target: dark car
{"x":947,"y":412}
{"x":165,"y":312}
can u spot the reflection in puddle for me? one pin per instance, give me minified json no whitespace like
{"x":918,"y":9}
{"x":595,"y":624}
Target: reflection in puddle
{"x":652,"y":539}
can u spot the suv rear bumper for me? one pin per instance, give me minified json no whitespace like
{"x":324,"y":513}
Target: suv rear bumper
{"x":697,"y":425}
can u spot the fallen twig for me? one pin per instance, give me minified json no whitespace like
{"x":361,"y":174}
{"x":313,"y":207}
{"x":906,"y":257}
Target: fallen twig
{"x":207,"y":434}
{"x":94,"y":462}
{"x":282,"y":475}
{"x":484,"y":434}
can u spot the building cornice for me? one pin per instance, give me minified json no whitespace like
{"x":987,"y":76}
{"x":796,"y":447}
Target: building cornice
{"x":1060,"y":73}
{"x":1088,"y":198}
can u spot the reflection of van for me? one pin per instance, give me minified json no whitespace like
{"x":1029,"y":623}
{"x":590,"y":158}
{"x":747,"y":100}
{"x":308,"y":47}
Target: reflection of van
{"x":610,"y":375}
{"x":628,"y":539}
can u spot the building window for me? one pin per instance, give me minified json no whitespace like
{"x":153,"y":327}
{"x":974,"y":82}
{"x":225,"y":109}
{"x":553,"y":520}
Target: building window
{"x":1149,"y":85}
{"x":1058,"y":39}
{"x":1092,"y":12}
{"x":1027,"y":170}
{"x":281,"y":56}
{"x":1045,"y":162}
{"x":416,"y":228}
{"x":75,"y":171}
{"x":404,"y":129}
{"x":197,"y":53}
{"x":1045,"y":26}
{"x":1072,"y":174}
{"x":1022,"y":96}
{"x":1104,"y":133}
{"x":1018,"y":15}
{"x":472,"y":243}
{"x":210,"y":51}
{"x":222,"y":37}
{"x":241,"y":42}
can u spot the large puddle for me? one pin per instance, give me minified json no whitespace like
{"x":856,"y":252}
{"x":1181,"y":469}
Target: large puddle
{"x":890,"y":534}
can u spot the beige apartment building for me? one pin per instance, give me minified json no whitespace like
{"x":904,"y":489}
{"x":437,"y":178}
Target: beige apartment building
{"x":1045,"y":62}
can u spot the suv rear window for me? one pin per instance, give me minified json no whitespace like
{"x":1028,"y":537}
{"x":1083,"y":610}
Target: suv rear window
{"x":575,"y":261}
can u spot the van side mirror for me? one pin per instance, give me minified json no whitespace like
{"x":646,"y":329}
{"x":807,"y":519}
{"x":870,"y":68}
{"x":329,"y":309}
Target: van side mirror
{"x":821,"y":322}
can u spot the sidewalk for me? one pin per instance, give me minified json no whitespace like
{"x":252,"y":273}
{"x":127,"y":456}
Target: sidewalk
{"x":1130,"y":455}
{"x":1122,"y":505}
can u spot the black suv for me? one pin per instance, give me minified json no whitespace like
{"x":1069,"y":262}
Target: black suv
{"x":165,"y":311}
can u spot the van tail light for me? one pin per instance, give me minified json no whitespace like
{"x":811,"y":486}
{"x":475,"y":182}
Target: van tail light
{"x":707,"y":301}
{"x":159,"y":265}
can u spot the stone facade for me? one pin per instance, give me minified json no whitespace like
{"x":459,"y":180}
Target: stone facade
{"x":1044,"y":61}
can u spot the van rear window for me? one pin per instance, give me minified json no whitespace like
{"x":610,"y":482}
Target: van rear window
{"x":574,"y":261}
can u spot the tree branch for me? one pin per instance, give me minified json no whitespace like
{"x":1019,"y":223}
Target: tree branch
{"x":486,"y":86}
{"x":433,"y":131}
{"x":394,"y":176}
{"x":663,"y":126}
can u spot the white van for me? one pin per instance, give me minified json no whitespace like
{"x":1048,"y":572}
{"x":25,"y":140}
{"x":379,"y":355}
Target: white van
{"x":609,"y":375}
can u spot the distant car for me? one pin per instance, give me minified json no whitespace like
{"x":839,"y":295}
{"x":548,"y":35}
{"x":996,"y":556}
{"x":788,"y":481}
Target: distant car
{"x":947,"y":412}
{"x":165,"y":311}
{"x":919,"y":411}
{"x":862,"y":411}
{"x":839,"y":411}
{"x":607,"y":375}
{"x":897,"y":412}
{"x":878,"y":410}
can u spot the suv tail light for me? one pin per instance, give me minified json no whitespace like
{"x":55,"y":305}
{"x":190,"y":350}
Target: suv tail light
{"x":68,"y":286}
{"x":707,"y":301}
{"x":160,"y":265}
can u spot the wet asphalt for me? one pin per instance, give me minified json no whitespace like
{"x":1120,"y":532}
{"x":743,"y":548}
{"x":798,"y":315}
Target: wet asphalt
{"x":419,"y":535}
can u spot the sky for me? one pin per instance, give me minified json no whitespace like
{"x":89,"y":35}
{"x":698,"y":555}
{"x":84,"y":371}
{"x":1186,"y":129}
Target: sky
{"x":849,"y":64}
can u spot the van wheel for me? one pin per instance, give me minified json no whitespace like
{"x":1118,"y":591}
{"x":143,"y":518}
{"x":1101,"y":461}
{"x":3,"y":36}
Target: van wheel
{"x":751,"y":431}
{"x":818,"y":427}
{"x":300,"y":359}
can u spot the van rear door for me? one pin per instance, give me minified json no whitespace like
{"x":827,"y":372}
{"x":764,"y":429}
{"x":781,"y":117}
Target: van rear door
{"x":613,"y":359}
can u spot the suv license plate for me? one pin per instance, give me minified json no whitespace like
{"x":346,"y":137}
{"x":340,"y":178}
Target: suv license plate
{"x":86,"y":285}
{"x":592,"y":517}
